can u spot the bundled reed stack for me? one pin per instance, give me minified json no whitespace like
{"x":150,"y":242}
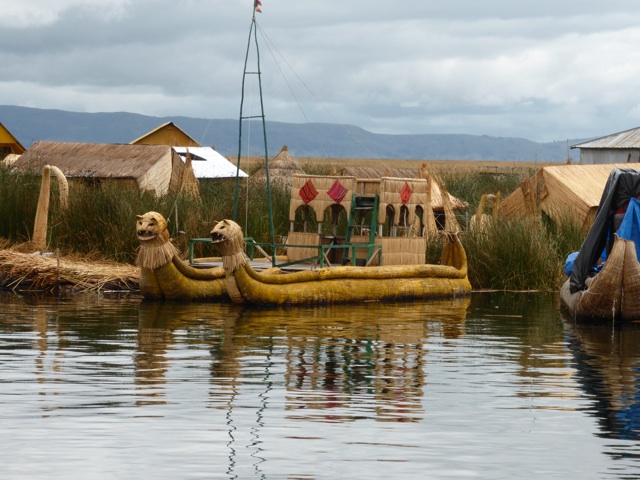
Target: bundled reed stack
{"x":480,"y":221}
{"x":429,"y":220}
{"x":451,"y":224}
{"x":189,"y":184}
{"x":281,"y":169}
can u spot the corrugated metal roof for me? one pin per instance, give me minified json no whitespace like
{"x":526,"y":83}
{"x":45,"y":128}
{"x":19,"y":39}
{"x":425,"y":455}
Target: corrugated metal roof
{"x":207,"y":163}
{"x":93,"y":160}
{"x":627,"y":139}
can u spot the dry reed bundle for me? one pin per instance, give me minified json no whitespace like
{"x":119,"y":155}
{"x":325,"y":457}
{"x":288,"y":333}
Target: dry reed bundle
{"x":37,"y":273}
{"x":451,"y":224}
{"x":42,"y":213}
{"x":63,"y":186}
{"x":429,"y":219}
{"x":480,"y":221}
{"x":189,"y":183}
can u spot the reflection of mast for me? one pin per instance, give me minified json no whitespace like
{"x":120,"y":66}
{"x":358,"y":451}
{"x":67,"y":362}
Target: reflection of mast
{"x":225,"y":374}
{"x":264,"y":397}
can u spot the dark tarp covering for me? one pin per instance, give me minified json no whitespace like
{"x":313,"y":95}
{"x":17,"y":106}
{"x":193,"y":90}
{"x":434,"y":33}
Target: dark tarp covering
{"x":621,"y":186}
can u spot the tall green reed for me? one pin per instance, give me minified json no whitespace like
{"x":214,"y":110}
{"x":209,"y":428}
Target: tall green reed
{"x":100,"y":221}
{"x":520,"y":254}
{"x":18,"y":203}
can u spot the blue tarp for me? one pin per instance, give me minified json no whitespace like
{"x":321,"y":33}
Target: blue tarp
{"x":629,"y":230}
{"x":630,"y":226}
{"x":622,"y":185}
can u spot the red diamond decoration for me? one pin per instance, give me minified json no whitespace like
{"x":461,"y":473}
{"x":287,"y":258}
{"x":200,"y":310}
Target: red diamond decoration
{"x":405,"y":193}
{"x":337,"y":192}
{"x":308,"y":192}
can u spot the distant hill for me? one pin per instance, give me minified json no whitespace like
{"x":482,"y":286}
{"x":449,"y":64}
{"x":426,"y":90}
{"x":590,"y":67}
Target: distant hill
{"x":29,"y":125}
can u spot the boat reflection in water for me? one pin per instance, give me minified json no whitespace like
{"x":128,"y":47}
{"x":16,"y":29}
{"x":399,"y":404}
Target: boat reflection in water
{"x":606,"y":359}
{"x":164,"y":325}
{"x":374,"y":353}
{"x":322,"y":358}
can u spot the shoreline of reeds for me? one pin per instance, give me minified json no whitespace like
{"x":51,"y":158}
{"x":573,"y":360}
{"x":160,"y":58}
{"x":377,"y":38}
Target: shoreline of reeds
{"x":99,"y":224}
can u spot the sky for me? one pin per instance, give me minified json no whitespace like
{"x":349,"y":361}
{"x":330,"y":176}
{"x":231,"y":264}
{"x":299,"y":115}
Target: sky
{"x":543,"y":70}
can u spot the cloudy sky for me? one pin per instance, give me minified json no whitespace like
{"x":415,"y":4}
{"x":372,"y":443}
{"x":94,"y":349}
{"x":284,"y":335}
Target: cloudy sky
{"x":543,"y":70}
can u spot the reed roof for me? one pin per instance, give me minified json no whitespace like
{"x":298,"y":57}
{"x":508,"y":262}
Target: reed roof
{"x":372,"y":173}
{"x":281,"y":166}
{"x":93,"y":160}
{"x":562,"y":191}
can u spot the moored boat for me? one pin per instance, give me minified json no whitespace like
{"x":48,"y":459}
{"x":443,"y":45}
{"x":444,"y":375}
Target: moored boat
{"x":604,"y":282}
{"x":339,"y":284}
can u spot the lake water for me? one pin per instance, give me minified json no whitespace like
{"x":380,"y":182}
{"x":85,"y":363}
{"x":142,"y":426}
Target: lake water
{"x":496,"y":386}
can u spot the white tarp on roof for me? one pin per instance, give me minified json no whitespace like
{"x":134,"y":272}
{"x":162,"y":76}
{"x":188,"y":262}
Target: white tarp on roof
{"x":207,"y":163}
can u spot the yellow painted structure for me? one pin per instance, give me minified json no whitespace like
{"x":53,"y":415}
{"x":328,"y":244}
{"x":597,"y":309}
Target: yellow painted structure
{"x":167,"y":134}
{"x":9,"y":144}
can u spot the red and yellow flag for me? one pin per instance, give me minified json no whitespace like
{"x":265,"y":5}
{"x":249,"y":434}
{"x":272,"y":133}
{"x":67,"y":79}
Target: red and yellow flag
{"x":256,"y":6}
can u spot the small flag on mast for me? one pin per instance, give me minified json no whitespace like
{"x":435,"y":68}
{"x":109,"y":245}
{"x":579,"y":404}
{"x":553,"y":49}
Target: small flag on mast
{"x":256,"y":6}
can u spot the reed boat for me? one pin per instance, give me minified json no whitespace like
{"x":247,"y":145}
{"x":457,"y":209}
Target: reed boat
{"x":350,"y":240}
{"x":338,"y":284}
{"x":604,"y":280}
{"x":366,"y":253}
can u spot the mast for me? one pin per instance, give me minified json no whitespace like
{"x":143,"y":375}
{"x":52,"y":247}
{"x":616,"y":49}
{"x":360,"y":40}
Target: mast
{"x":253,"y":31}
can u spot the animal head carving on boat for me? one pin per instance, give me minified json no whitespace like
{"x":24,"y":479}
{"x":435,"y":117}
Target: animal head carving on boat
{"x":155,"y":248}
{"x":228,"y":238}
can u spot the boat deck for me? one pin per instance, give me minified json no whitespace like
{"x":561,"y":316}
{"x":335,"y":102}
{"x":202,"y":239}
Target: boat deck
{"x":260,"y":265}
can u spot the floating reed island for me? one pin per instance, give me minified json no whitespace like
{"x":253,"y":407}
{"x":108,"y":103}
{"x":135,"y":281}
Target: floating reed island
{"x":51,"y":274}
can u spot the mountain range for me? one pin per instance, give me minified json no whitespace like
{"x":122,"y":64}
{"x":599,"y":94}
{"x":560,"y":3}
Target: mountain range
{"x":316,"y":140}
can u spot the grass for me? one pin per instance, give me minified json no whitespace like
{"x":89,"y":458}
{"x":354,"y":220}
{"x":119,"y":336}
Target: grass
{"x":99,"y":222}
{"x":514,"y":255}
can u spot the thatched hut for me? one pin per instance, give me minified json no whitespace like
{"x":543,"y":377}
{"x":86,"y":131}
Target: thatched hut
{"x":148,"y":167}
{"x":563,"y":192}
{"x":282,"y":167}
